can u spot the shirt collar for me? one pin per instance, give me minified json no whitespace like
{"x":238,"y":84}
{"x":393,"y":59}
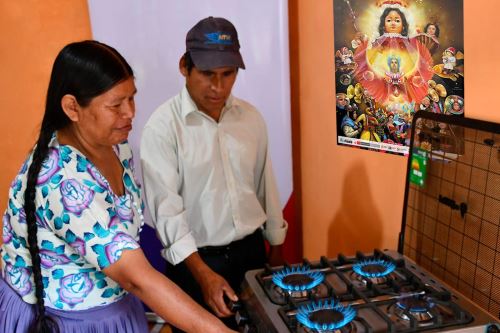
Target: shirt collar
{"x":187,"y":103}
{"x":189,"y":106}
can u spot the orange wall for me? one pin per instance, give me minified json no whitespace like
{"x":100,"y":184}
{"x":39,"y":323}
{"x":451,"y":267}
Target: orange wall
{"x":33,"y":31}
{"x":352,"y":199}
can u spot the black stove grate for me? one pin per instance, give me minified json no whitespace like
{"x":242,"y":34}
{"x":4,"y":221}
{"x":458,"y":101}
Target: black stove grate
{"x":376,"y":315}
{"x":409,"y":300}
{"x":376,"y":304}
{"x":340,"y":280}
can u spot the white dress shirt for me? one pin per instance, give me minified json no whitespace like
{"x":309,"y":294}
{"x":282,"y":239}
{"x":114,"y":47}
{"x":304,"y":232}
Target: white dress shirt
{"x":208,"y":183}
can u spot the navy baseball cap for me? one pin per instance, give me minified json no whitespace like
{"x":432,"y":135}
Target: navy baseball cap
{"x":212,"y":43}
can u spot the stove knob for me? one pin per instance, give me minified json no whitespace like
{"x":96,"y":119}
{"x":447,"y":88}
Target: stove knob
{"x":248,"y":329}
{"x":241,"y":318}
{"x":233,"y":306}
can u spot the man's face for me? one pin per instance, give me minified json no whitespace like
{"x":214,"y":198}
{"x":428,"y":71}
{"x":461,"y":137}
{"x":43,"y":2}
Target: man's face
{"x":211,"y":88}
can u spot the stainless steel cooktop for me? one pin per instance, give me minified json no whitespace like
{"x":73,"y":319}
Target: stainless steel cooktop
{"x":379,"y":292}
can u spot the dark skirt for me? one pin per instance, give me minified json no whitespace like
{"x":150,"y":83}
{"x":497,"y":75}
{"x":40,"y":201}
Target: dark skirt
{"x":125,"y":315}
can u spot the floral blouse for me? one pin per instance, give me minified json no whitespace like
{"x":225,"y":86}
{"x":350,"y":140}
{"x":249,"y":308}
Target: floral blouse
{"x":83,"y":227}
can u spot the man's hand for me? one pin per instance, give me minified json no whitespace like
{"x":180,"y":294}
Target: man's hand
{"x":213,"y":286}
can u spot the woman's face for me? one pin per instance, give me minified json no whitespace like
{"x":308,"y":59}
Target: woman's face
{"x":393,"y":23}
{"x":431,"y":30}
{"x":107,"y":120}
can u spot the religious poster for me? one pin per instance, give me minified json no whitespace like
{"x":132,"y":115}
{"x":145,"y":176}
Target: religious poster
{"x":393,"y":58}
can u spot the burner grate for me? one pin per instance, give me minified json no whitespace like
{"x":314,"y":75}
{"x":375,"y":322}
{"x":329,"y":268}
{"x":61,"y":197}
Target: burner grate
{"x":374,"y":307}
{"x":419,"y":308}
{"x":337,"y":279}
{"x":389,"y":315}
{"x":375,"y":270}
{"x":325,"y":315}
{"x":298,"y":278}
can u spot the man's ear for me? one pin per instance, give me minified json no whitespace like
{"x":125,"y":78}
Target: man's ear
{"x":182,"y":67}
{"x":70,"y":107}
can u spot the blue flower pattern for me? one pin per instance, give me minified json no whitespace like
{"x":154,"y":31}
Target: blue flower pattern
{"x":83,"y":227}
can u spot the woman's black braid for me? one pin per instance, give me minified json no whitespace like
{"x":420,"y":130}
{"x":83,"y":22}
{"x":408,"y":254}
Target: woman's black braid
{"x":42,"y":323}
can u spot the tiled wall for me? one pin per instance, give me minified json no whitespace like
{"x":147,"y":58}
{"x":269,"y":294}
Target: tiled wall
{"x":462,"y":251}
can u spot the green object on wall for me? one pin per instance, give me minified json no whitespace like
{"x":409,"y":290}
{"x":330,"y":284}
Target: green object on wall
{"x":418,"y":170}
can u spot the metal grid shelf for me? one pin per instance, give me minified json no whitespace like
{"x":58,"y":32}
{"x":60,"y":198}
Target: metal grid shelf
{"x":451,"y":223}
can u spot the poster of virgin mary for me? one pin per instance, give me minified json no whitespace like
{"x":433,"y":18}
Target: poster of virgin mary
{"x":392,"y":59}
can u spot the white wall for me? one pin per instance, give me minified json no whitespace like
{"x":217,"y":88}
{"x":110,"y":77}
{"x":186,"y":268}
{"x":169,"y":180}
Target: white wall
{"x":151,"y":36}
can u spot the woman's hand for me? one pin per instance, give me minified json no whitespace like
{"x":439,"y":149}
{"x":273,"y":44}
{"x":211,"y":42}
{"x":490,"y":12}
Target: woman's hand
{"x":134,"y":273}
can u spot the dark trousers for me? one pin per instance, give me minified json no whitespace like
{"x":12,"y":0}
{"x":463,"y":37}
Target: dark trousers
{"x":231,"y":262}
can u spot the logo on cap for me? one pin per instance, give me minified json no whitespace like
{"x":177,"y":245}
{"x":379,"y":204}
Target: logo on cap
{"x":218,"y":38}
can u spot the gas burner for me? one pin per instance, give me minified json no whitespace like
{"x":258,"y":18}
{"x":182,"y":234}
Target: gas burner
{"x":417,"y":307}
{"x":375,"y":270}
{"x":325,"y":316}
{"x":297,"y":281}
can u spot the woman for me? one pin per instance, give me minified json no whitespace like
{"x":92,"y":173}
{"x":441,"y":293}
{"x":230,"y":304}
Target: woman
{"x":71,"y":255}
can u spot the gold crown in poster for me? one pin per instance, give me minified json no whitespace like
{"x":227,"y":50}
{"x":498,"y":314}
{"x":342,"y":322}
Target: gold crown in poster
{"x":402,"y":3}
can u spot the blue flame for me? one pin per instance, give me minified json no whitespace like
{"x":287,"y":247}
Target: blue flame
{"x":304,"y":315}
{"x":316,"y":278}
{"x":415,"y":308}
{"x":386,"y":265}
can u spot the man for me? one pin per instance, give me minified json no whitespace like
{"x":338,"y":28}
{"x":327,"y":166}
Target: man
{"x":207,"y":174}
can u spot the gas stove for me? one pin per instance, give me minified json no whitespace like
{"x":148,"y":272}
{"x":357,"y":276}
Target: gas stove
{"x":379,"y":292}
